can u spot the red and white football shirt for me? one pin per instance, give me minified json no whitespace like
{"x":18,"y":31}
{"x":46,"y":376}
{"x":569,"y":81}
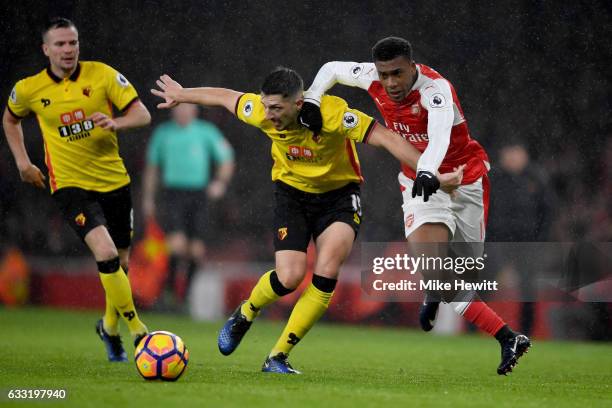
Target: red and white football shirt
{"x":430,"y":117}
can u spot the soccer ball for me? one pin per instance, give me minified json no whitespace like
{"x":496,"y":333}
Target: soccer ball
{"x":161,"y":355}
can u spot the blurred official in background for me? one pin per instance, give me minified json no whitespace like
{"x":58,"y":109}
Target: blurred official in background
{"x":179,"y":158}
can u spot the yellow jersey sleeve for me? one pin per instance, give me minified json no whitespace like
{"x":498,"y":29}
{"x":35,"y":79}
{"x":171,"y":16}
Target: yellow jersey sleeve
{"x":339,"y":118}
{"x":18,"y":103}
{"x":249,"y":109}
{"x":119,"y":90}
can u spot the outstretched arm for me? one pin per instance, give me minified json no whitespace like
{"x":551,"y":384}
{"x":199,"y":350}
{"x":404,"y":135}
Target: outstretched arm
{"x":173,"y":93}
{"x":28,"y":172}
{"x":409,"y":155}
{"x":394,"y":144}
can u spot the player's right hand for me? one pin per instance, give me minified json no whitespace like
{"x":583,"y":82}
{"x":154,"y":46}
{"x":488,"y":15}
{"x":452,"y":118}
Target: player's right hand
{"x":168,"y":90}
{"x":310,"y":117}
{"x":32,"y":174}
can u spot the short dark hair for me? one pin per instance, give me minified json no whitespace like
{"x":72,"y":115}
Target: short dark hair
{"x":283,"y":81}
{"x":390,"y":48}
{"x":56,"y":22}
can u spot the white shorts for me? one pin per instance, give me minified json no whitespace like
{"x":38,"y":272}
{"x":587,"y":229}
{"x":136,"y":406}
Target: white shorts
{"x":464,"y":214}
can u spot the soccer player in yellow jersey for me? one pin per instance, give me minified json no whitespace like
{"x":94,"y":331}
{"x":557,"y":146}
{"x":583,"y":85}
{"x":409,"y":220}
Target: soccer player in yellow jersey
{"x":317,"y":179}
{"x":72,"y":102}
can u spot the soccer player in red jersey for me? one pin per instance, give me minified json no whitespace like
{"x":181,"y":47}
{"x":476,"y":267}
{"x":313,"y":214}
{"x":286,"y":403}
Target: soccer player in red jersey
{"x":422,"y":106}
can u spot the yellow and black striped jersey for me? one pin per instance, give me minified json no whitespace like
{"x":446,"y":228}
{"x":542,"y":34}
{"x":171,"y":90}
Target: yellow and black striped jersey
{"x":309,"y":162}
{"x":77,"y":153}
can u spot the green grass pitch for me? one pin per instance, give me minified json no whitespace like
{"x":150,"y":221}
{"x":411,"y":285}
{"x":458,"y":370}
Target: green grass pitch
{"x":344,"y":366}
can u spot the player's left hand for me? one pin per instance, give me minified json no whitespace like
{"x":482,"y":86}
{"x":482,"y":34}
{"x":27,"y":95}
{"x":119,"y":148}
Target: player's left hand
{"x":103,"y":121}
{"x":310,"y":117}
{"x":425,"y":184}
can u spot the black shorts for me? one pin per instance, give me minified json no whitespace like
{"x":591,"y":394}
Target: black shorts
{"x":300,"y":216}
{"x":184,"y":211}
{"x":84,"y":210}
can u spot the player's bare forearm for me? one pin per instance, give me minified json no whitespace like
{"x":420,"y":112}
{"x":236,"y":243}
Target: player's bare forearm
{"x":409,"y":155}
{"x":28,"y":172}
{"x":14,"y":138}
{"x":395,"y":144}
{"x":136,"y":116}
{"x":173,"y":93}
{"x":206,"y":96}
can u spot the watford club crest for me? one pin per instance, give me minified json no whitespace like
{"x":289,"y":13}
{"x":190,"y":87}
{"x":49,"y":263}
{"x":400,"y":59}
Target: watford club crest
{"x":282,"y":233}
{"x":80,"y":219}
{"x":87,"y":91}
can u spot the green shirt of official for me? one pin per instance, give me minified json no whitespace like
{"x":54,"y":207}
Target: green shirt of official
{"x":184,"y":153}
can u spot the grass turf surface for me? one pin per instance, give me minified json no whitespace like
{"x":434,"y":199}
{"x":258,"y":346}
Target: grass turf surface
{"x":344,"y":366}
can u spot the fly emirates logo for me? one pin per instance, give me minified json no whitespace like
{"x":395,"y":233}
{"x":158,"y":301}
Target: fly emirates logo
{"x":404,"y":131}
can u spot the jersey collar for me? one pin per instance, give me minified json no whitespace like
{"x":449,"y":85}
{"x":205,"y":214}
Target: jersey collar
{"x":73,"y":77}
{"x":419,"y":79}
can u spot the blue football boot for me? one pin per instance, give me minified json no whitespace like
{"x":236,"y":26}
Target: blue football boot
{"x":278,"y":364}
{"x":233,"y":331}
{"x":114,"y":348}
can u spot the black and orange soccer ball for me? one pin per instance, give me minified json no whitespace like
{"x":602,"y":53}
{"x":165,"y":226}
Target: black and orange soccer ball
{"x":161,"y":355}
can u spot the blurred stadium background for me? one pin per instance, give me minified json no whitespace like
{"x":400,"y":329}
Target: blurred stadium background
{"x":535,"y":72}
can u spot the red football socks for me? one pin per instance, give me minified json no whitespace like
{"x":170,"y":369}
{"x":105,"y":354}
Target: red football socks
{"x":483,"y":317}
